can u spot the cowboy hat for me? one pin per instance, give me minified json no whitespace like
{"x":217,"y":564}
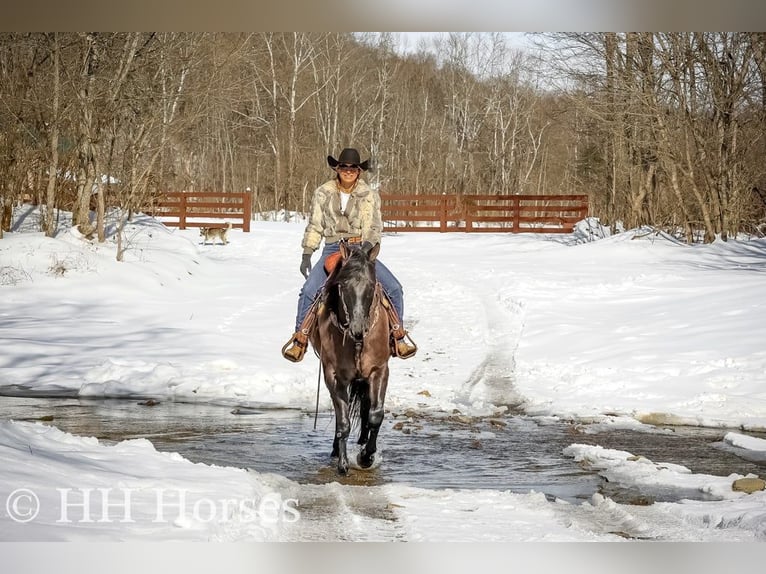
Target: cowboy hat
{"x":349,"y":156}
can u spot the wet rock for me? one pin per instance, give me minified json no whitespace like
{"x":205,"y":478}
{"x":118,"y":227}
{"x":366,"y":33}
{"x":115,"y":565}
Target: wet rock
{"x":398,"y":426}
{"x":641,"y":501}
{"x":425,"y":393}
{"x":149,"y":403}
{"x":497,"y":423}
{"x":463,"y":419}
{"x":245,"y":411}
{"x":46,"y":418}
{"x":748,"y":485}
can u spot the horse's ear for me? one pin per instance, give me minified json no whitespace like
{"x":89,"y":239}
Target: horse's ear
{"x":344,"y":250}
{"x":373,"y":252}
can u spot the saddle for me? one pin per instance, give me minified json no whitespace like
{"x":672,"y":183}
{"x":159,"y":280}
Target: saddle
{"x":397,"y":332}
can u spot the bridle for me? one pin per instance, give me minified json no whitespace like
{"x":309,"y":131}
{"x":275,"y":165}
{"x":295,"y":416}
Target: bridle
{"x":343,"y":324}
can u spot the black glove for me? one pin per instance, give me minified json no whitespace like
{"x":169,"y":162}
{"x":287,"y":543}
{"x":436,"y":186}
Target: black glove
{"x":305,"y":265}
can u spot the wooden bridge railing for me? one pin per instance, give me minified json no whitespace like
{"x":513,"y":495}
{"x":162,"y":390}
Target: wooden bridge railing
{"x":204,"y":209}
{"x":483,"y":213}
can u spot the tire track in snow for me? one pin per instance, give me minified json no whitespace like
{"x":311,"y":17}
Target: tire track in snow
{"x":493,"y":380}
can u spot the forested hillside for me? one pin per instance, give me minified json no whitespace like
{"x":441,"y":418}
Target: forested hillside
{"x":665,"y":129}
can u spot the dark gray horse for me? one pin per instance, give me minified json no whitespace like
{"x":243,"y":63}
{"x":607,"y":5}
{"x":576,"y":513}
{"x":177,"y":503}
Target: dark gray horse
{"x":352,"y":339}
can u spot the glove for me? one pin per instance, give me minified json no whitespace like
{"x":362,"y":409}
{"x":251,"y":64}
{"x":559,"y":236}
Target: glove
{"x":305,"y":265}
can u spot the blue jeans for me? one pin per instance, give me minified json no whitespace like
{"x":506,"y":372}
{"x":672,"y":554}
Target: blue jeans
{"x":317,"y":277}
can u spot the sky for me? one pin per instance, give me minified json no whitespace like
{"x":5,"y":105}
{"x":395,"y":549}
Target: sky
{"x":623,"y":331}
{"x":409,"y":42}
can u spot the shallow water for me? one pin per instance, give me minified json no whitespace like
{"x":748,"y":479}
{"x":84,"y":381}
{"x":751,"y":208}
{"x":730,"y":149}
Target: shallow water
{"x":512,"y":452}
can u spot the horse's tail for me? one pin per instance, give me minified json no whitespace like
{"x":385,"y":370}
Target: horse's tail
{"x":358,"y":390}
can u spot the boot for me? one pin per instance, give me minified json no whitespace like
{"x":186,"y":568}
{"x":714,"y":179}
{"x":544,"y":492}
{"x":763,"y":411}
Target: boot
{"x":400,"y":347}
{"x":296,"y":347}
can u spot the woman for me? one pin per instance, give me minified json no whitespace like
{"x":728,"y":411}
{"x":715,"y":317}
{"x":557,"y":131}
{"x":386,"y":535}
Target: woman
{"x":344,"y":208}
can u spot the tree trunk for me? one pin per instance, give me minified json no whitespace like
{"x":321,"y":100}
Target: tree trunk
{"x":53,"y":165}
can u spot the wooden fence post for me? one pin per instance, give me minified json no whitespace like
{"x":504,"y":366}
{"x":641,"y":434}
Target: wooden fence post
{"x":247,"y":208}
{"x":182,"y":216}
{"x":468,"y":211}
{"x":443,"y":211}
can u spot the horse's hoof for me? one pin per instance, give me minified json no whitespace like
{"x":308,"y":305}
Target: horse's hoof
{"x":343,"y":469}
{"x":365,"y":461}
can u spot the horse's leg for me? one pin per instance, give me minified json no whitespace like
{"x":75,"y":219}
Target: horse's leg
{"x":342,"y":426}
{"x":378,"y":385}
{"x":364,"y":418}
{"x":332,"y":386}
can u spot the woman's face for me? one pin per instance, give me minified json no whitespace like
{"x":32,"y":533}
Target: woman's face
{"x":347,"y":173}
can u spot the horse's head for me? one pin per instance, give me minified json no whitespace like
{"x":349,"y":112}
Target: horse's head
{"x":351,"y":288}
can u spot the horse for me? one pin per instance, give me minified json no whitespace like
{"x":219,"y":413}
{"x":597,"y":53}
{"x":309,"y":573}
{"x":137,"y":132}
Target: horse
{"x":351,"y":338}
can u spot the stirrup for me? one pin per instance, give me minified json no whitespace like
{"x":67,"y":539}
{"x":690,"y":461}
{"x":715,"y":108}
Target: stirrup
{"x":297,"y":348}
{"x":412,"y":348}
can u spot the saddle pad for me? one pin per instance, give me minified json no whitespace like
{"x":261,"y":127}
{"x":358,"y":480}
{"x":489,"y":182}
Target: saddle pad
{"x":331,"y":262}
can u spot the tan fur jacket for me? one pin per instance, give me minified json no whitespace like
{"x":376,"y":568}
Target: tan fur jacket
{"x":326,"y":221}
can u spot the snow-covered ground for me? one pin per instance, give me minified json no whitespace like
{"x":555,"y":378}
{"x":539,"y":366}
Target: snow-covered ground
{"x":627,"y":330}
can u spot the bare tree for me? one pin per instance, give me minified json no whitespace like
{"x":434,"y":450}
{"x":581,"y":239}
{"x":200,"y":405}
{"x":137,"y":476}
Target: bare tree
{"x":662,"y":129}
{"x":53,"y":165}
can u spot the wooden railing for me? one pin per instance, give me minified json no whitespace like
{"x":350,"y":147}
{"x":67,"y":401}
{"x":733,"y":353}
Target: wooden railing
{"x":443,"y":213}
{"x":203,"y":209}
{"x":483,"y":213}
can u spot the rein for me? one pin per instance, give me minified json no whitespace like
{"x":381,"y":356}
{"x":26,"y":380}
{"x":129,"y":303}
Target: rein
{"x":319,"y":383}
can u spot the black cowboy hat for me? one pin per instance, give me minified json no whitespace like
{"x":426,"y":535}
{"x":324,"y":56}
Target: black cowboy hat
{"x":349,"y":156}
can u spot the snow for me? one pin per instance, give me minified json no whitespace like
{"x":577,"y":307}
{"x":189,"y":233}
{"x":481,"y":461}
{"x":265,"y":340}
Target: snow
{"x":621,"y":331}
